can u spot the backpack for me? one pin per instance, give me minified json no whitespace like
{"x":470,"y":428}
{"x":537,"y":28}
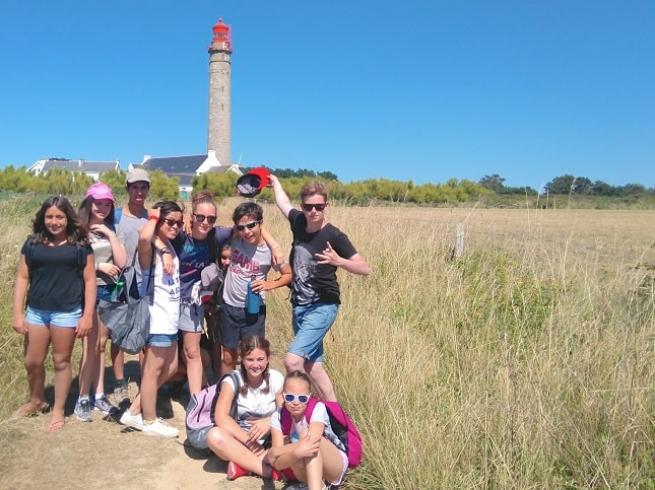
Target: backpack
{"x":342,"y":426}
{"x":200,"y":412}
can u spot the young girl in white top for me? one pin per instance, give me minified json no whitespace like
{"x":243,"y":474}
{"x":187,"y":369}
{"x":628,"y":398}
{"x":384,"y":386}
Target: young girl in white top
{"x":312,"y":451}
{"x":160,"y":358}
{"x":243,"y":442}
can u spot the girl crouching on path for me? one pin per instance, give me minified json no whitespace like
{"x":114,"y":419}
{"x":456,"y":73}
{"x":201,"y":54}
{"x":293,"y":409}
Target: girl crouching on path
{"x":160,"y":357}
{"x":57,"y":275}
{"x":243,"y":442}
{"x":313,"y":451}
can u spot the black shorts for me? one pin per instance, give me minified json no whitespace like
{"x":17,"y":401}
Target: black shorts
{"x":235,"y":324}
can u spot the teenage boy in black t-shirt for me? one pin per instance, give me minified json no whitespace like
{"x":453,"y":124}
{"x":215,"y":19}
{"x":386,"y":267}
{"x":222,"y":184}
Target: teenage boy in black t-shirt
{"x":318,"y":249}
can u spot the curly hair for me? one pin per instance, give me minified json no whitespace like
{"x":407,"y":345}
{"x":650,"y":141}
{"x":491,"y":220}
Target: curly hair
{"x":75,"y":232}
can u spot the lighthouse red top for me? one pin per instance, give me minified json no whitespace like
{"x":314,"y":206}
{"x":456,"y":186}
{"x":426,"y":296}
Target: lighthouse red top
{"x":222,"y":34}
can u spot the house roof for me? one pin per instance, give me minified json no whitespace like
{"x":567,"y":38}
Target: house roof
{"x":80,"y":165}
{"x":187,"y":164}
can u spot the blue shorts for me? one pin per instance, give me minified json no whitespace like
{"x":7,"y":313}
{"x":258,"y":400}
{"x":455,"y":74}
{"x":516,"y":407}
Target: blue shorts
{"x":67,"y":319}
{"x":103,"y":292}
{"x":161,"y":340}
{"x":310,"y":324}
{"x":192,"y":317}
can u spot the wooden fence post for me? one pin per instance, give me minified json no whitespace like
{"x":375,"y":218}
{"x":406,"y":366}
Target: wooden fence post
{"x":458,"y":249}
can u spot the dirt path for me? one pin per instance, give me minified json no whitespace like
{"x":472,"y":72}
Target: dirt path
{"x":105,"y":454}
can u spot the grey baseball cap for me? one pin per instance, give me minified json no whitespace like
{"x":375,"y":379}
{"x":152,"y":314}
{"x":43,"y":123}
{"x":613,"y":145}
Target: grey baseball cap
{"x":137,"y":175}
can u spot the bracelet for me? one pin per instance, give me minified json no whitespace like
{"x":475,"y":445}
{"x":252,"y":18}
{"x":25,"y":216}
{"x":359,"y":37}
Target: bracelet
{"x":153,"y":217}
{"x":164,"y":251}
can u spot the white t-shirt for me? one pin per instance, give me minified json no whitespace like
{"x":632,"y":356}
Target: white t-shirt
{"x":165,"y":306}
{"x":256,"y":404}
{"x":318,"y":415}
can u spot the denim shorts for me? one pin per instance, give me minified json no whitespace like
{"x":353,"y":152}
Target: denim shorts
{"x":310,"y":324}
{"x":235,"y":324}
{"x":103,"y":292}
{"x":191,"y":317}
{"x":67,"y":319}
{"x":161,"y":340}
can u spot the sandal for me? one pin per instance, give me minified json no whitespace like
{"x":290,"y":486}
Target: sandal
{"x":30,"y":410}
{"x":55,"y":425}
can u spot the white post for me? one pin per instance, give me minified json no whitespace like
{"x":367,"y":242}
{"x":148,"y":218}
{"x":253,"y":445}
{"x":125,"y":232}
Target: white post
{"x":458,"y":249}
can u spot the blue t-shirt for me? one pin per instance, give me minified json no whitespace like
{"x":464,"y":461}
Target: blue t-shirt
{"x":194,"y":256}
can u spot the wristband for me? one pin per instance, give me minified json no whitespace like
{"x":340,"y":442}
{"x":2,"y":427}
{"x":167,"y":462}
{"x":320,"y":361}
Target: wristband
{"x":164,"y":250}
{"x":153,"y":217}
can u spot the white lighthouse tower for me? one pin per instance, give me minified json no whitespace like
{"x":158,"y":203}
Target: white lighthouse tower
{"x":218,"y":130}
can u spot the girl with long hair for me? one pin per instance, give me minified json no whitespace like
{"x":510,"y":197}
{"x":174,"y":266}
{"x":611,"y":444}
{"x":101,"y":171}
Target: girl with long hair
{"x":56,"y":281}
{"x":97,"y":218}
{"x":163,"y":286}
{"x":243,"y":442}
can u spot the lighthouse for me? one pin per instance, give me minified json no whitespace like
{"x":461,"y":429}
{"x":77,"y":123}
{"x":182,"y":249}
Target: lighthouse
{"x":218,"y":128}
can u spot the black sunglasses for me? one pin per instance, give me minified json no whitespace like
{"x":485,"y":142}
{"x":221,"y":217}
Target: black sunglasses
{"x":201,"y":217}
{"x":317,"y":207}
{"x":172,"y":222}
{"x":250,"y":225}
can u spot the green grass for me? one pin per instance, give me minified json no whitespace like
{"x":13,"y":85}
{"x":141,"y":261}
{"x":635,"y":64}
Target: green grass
{"x":529,"y":363}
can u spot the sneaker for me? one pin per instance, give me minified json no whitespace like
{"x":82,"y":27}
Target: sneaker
{"x":83,"y":410}
{"x":121,"y":393}
{"x":131,"y":420}
{"x":159,"y":428}
{"x":235,"y":471}
{"x":102,"y":405}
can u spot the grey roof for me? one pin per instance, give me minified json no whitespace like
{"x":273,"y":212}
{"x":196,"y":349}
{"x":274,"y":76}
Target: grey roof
{"x":89,"y":166}
{"x":80,"y":165}
{"x":175,"y":165}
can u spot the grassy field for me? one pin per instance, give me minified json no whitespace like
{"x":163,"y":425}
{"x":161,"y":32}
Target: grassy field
{"x":529,"y":363}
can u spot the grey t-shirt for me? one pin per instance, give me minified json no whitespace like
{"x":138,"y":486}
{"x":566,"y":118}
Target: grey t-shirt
{"x":247,"y":261}
{"x":127,"y":231}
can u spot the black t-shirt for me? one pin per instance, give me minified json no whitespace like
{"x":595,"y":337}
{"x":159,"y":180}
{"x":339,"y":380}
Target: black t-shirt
{"x":56,"y":275}
{"x":312,"y":282}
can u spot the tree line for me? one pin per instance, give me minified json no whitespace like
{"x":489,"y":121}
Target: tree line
{"x":567,"y":184}
{"x":60,"y":181}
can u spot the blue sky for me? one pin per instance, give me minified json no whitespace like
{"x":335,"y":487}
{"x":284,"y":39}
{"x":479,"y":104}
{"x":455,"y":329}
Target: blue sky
{"x":422,"y":90}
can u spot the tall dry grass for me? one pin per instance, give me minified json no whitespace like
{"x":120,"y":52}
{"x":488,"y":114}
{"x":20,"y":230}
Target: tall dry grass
{"x":527,"y":363}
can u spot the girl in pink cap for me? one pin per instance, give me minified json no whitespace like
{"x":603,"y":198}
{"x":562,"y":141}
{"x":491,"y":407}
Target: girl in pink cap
{"x":97,"y":217}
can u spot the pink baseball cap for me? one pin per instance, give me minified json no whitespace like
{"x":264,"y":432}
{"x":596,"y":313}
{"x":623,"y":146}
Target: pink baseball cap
{"x":100,"y":190}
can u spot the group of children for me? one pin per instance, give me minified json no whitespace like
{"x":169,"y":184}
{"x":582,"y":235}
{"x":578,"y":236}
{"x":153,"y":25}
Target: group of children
{"x":74,"y":261}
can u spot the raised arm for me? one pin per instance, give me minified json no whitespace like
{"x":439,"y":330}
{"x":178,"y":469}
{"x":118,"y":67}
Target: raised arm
{"x":145,"y":239}
{"x":281,"y":198}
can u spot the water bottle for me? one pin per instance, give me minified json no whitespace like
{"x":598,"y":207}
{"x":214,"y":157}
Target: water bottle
{"x":253,"y":300}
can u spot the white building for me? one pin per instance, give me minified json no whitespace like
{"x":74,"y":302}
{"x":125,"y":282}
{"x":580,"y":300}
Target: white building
{"x":91,"y":168}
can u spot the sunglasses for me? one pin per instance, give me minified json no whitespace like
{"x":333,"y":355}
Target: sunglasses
{"x":201,"y":217}
{"x":172,"y":222}
{"x":317,"y":207}
{"x":291,"y":397}
{"x":250,"y":226}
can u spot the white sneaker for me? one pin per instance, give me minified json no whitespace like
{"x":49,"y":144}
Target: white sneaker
{"x":159,"y":428}
{"x":131,"y":420}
